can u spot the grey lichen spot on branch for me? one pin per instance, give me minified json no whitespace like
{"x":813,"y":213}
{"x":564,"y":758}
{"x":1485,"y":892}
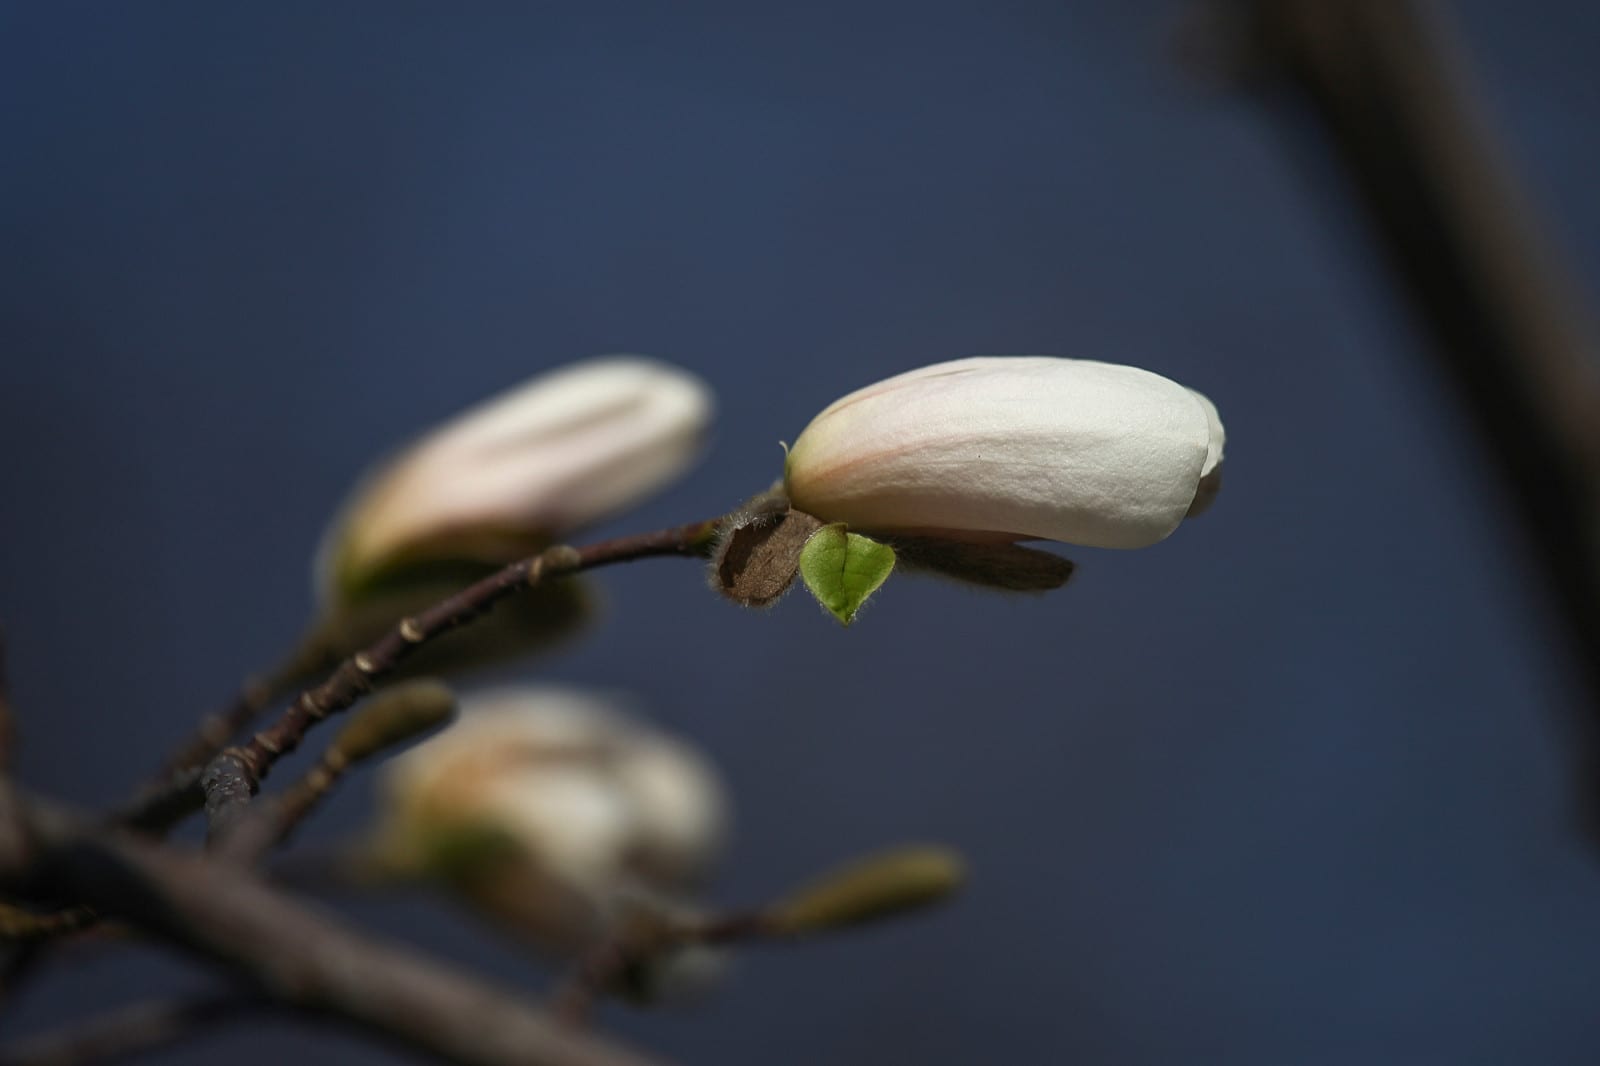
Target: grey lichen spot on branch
{"x":389,"y":719}
{"x":228,"y":783}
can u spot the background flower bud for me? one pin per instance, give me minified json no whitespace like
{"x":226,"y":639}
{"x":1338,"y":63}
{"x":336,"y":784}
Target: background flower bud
{"x":1009,"y":447}
{"x":545,"y":807}
{"x":527,"y":467}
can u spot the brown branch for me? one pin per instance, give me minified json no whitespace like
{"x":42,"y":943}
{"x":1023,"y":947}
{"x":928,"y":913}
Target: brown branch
{"x":268,"y":824}
{"x":292,"y":954}
{"x":232,"y":777}
{"x":607,"y":966}
{"x":1381,"y":86}
{"x":159,"y":809}
{"x":213,"y":732}
{"x":171,"y":793}
{"x":398,"y":715}
{"x":886,"y":884}
{"x":131,"y":1030}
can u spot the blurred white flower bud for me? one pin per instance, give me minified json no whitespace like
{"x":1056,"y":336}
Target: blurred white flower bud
{"x":1011,"y":447}
{"x":567,"y":806}
{"x":527,"y":467}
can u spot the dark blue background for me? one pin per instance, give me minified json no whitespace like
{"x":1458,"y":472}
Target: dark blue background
{"x":1292,"y":787}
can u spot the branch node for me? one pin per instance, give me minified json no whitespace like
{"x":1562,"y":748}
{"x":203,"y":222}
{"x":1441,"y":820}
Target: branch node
{"x":560,"y":559}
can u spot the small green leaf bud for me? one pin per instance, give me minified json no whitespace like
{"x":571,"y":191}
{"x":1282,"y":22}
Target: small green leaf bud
{"x":877,"y":887}
{"x":394,"y":716}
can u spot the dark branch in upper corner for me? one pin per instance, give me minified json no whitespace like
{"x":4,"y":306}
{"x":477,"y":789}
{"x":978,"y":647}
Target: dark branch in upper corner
{"x":1382,"y":85}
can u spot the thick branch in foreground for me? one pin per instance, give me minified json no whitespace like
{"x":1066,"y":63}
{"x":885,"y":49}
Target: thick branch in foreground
{"x":1390,"y":97}
{"x":232,"y":778}
{"x":289,"y":952}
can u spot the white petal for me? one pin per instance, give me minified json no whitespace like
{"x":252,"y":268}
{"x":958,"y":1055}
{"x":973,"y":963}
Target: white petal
{"x":1023,"y":446}
{"x":570,"y":818}
{"x":1217,"y":436}
{"x":678,"y":804}
{"x":1211,"y":474}
{"x":558,"y":452}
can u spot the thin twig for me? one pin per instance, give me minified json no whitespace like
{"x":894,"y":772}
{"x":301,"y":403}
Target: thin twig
{"x":887,"y":883}
{"x":270,"y":823}
{"x":605,"y":966}
{"x":221,"y":912}
{"x":597,"y":972}
{"x":131,"y":1030}
{"x":162,"y":800}
{"x":159,"y":809}
{"x":1390,"y":96}
{"x":213,"y":732}
{"x":233,"y":776}
{"x":399,"y":714}
{"x":263,"y":829}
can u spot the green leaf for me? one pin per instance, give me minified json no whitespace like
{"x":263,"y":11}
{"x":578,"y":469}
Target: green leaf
{"x":842,"y":569}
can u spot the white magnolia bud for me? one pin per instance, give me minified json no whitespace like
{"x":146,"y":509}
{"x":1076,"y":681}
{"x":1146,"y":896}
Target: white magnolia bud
{"x":594,"y":804}
{"x":527,"y":467}
{"x":1011,"y":447}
